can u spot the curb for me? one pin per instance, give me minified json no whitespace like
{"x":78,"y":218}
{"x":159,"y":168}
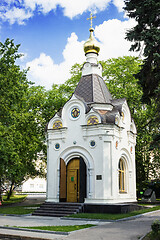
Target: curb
{"x":15,"y":215}
{"x":109,"y":221}
{"x":16,"y":237}
{"x":35,"y":230}
{"x":87,"y":219}
{"x":143,"y":236}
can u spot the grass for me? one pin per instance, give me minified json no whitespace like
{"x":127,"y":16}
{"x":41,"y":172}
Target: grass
{"x":152,"y":236}
{"x":13,"y":199}
{"x":109,"y":216}
{"x":61,"y":228}
{"x":18,"y":210}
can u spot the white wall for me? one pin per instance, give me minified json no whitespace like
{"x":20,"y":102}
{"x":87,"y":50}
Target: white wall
{"x":34,"y":185}
{"x":74,"y":139}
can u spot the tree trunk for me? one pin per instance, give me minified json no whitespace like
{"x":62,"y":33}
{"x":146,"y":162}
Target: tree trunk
{"x":10,"y":191}
{"x":0,"y":190}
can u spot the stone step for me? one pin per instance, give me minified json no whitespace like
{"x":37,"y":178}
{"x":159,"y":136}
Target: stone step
{"x":58,"y":209}
{"x":63,"y":204}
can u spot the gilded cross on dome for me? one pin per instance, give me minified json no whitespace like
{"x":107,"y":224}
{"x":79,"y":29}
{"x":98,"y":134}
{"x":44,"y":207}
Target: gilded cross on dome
{"x":91,"y":18}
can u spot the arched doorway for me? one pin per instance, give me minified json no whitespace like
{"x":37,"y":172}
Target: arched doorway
{"x":73,"y":180}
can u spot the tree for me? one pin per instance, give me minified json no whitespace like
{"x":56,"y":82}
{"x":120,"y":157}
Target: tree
{"x":60,"y":94}
{"x":119,"y":76}
{"x":146,"y":34}
{"x":21,"y":122}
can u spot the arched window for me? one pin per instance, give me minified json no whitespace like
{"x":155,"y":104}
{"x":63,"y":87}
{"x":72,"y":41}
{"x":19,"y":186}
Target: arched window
{"x":92,"y":120}
{"x":57,"y":124}
{"x":122,"y":173}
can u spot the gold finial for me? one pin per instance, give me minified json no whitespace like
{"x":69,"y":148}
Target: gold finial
{"x":91,"y":17}
{"x":91,"y":45}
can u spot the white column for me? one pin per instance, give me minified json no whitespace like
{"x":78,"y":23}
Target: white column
{"x":90,"y":191}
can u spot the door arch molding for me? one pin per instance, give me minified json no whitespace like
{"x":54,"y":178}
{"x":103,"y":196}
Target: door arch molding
{"x":74,"y":152}
{"x":78,"y":152}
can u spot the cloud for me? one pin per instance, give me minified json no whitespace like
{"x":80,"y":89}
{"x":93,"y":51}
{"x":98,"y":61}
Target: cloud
{"x":73,"y":8}
{"x":43,"y":70}
{"x":16,"y":15}
{"x":20,"y":11}
{"x":119,"y":4}
{"x":112,"y":34}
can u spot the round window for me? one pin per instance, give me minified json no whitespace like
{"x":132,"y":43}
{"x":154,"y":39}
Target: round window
{"x":92,"y":143}
{"x":57,"y":146}
{"x":75,"y":113}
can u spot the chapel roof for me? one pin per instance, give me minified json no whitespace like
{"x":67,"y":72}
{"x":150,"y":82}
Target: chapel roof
{"x":92,"y":89}
{"x":117,"y":103}
{"x":107,"y":116}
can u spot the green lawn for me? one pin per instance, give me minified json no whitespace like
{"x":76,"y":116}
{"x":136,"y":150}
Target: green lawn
{"x":61,"y":228}
{"x":108,"y":216}
{"x":18,"y":210}
{"x":13,"y":199}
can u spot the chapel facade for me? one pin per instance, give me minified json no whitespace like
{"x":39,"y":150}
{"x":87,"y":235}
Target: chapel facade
{"x":91,"y":142}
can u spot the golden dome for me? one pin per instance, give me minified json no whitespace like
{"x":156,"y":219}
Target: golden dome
{"x":91,"y":45}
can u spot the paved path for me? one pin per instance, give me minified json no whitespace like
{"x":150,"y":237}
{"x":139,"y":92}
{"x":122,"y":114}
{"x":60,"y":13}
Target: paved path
{"x":25,"y":221}
{"x":121,"y":230}
{"x":31,"y":199}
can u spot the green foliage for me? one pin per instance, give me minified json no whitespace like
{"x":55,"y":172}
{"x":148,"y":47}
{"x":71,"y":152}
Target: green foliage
{"x":147,"y":33}
{"x":109,"y":216}
{"x":119,"y":77}
{"x":69,"y":228}
{"x":18,"y":210}
{"x":70,"y":85}
{"x":119,"y":74}
{"x":152,"y":236}
{"x":13,"y":199}
{"x":60,"y":94}
{"x":145,"y":36}
{"x":21,"y":121}
{"x":155,"y":226}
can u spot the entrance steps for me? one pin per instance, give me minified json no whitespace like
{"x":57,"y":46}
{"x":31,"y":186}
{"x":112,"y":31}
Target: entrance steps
{"x":58,"y":209}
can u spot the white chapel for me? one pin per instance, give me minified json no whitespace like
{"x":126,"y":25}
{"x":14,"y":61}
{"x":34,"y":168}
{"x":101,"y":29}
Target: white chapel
{"x":91,"y":142}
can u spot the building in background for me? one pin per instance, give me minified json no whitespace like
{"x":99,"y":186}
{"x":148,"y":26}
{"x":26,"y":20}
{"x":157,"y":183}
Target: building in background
{"x":34,"y":185}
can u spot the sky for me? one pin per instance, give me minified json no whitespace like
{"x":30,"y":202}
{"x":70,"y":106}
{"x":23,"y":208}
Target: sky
{"x":52,"y":33}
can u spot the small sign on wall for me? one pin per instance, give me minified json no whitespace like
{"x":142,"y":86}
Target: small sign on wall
{"x":98,"y":177}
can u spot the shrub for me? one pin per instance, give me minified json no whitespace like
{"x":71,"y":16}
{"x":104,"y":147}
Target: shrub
{"x":155,"y":226}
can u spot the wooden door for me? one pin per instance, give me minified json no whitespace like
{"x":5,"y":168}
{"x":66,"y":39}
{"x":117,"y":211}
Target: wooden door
{"x":63,"y":192}
{"x":73,"y":178}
